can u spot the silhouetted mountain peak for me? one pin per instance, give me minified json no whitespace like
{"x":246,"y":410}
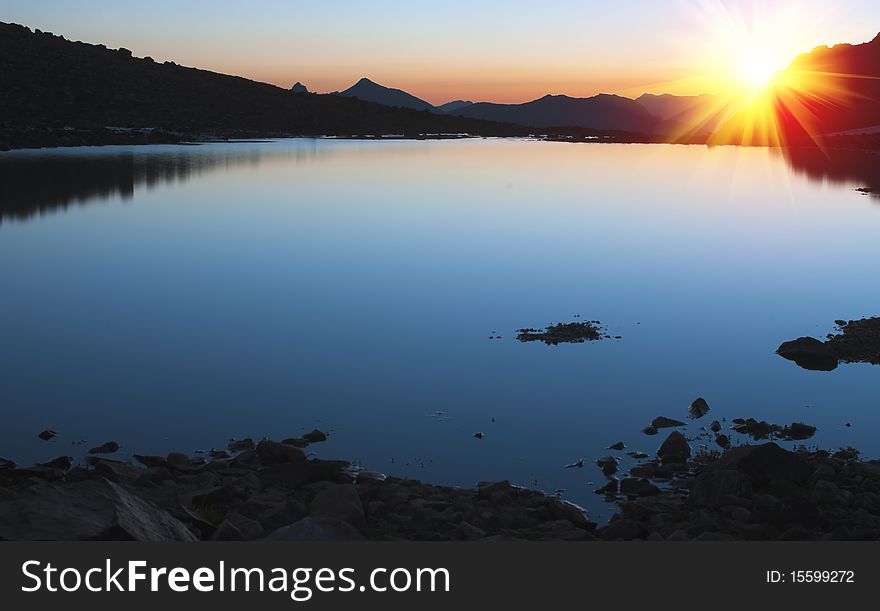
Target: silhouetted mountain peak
{"x":370,"y":91}
{"x":299,"y":88}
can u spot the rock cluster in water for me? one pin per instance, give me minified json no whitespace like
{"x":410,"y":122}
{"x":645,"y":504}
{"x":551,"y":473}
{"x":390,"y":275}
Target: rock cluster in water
{"x":857,"y":342}
{"x":564,"y":333}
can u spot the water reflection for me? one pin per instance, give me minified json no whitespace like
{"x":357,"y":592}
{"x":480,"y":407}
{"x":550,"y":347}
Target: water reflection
{"x":33,"y":183}
{"x":836,"y":165}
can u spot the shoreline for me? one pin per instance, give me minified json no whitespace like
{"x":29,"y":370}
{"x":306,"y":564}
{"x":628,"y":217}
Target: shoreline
{"x":271,"y":490}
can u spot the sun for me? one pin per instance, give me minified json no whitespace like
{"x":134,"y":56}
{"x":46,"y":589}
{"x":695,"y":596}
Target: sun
{"x":757,"y":68}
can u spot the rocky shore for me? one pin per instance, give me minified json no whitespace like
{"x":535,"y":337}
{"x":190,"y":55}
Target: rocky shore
{"x":272,"y":490}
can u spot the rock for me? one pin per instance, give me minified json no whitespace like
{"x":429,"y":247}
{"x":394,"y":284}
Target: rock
{"x":638,"y":487}
{"x":297,"y":442}
{"x":62,"y":463}
{"x":765,"y":463}
{"x":624,"y":529}
{"x":649,"y":430}
{"x":562,"y":333}
{"x":339,"y":501}
{"x":608,"y":464}
{"x":617,"y":446}
{"x":315,"y":436}
{"x":47,"y":435}
{"x":646,"y":470}
{"x":809,"y":353}
{"x":723,"y":441}
{"x":609,"y":489}
{"x":698,"y":408}
{"x":478,"y":435}
{"x":6,"y":464}
{"x":576,"y":464}
{"x":180,"y":461}
{"x":240,"y":445}
{"x":271,"y":452}
{"x":150,"y":461}
{"x":662,"y":422}
{"x":637,"y":455}
{"x":238,"y":527}
{"x":827,"y":493}
{"x":105,"y":448}
{"x":469,"y":531}
{"x":116,"y":471}
{"x":674,"y":449}
{"x":678,"y":535}
{"x":715,"y":426}
{"x":316,"y":529}
{"x":88,"y":510}
{"x":800,"y":431}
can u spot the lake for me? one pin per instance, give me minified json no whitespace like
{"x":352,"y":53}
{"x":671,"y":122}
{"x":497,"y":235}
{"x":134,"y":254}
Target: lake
{"x":171,"y":297}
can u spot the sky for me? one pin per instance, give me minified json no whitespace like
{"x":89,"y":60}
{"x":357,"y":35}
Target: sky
{"x":502,"y":51}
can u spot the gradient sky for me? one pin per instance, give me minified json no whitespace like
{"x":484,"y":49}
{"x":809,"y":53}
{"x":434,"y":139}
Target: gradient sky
{"x":504,"y":51}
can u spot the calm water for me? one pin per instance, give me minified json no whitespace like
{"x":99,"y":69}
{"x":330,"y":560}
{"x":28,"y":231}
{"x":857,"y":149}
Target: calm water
{"x":171,"y":297}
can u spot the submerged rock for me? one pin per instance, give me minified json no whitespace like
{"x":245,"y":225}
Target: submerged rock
{"x":47,"y":435}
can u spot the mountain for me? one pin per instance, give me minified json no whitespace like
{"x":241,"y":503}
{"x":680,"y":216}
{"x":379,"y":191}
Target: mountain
{"x":451,"y":107}
{"x":830,"y":90}
{"x":55,"y":91}
{"x":367,"y":90}
{"x":299,"y":88}
{"x":603,"y":112}
{"x":846,"y":79}
{"x":694,"y":114}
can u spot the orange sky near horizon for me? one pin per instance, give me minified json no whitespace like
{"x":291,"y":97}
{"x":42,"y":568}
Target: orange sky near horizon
{"x":508,"y":52}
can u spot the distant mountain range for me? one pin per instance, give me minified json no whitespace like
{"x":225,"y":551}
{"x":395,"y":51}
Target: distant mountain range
{"x":57,"y":92}
{"x":51,"y":85}
{"x":601,"y":112}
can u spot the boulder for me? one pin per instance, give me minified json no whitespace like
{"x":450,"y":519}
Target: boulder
{"x":711,"y":488}
{"x":271,"y":452}
{"x":698,"y":408}
{"x":632,"y":486}
{"x":674,"y":449}
{"x":765,"y":463}
{"x":88,"y":510}
{"x":809,"y":353}
{"x":339,"y":501}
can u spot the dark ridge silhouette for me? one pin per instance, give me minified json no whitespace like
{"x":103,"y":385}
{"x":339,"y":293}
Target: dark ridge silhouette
{"x":56,"y":90}
{"x":602,"y":112}
{"x":367,"y":90}
{"x":450,"y":107}
{"x":299,"y":88}
{"x":852,"y":70}
{"x":822,"y":93}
